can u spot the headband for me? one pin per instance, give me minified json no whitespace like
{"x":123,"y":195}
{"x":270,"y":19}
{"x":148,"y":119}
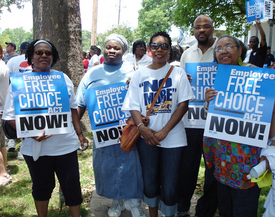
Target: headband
{"x":42,"y":41}
{"x":119,"y":38}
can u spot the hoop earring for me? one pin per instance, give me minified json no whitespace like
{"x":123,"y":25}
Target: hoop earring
{"x":240,"y":62}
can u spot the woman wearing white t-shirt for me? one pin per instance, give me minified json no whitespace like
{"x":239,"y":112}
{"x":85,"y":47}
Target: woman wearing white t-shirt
{"x":162,"y":144}
{"x":58,"y":153}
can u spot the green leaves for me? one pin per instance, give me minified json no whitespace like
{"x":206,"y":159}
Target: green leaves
{"x":231,"y":14}
{"x":17,"y":36}
{"x":156,"y":15}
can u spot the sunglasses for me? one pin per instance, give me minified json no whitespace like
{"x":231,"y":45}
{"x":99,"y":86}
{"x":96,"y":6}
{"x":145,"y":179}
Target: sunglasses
{"x":164,"y":46}
{"x":41,"y":52}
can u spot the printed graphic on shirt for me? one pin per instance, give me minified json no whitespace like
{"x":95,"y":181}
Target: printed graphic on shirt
{"x":164,"y":101}
{"x":25,"y":67}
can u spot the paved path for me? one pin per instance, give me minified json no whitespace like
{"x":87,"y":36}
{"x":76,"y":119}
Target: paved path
{"x":99,"y":207}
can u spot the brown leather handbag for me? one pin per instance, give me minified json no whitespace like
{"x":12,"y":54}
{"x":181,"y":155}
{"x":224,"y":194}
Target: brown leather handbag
{"x":130,"y":133}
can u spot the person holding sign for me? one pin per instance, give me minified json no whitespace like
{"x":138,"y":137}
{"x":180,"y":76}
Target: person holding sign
{"x":200,"y":53}
{"x":237,"y":195}
{"x":117,"y":173}
{"x":163,"y":142}
{"x":47,"y":155}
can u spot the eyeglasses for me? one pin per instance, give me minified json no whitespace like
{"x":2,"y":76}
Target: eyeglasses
{"x":227,"y":48}
{"x":202,"y":27}
{"x":164,"y":46}
{"x":41,"y":52}
{"x":251,"y":42}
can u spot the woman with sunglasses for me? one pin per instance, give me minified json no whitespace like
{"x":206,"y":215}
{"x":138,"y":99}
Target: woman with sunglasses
{"x":138,"y":58}
{"x":163,"y":140}
{"x":58,"y":153}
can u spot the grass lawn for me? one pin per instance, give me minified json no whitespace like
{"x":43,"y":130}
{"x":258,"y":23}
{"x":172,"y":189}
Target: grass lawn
{"x":16,"y":199}
{"x":199,"y":190}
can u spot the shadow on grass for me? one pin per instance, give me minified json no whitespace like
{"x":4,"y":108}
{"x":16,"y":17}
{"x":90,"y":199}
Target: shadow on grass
{"x":17,"y":214}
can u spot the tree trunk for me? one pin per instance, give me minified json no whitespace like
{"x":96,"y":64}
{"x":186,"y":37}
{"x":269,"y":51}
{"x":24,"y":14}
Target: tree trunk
{"x":60,"y":22}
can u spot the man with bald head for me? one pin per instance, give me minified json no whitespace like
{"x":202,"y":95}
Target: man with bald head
{"x":202,"y":51}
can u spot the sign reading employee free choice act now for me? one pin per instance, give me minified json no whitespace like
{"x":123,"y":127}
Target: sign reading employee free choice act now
{"x":242,"y":109}
{"x":104,"y":106}
{"x":203,"y":77}
{"x":41,"y":102}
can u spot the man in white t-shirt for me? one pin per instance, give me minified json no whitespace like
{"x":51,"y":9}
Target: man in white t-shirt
{"x":202,"y":51}
{"x":18,"y":64}
{"x":94,"y":57}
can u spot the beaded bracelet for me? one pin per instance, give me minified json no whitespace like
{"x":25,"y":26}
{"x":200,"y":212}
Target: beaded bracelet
{"x":205,"y":106}
{"x":139,"y":125}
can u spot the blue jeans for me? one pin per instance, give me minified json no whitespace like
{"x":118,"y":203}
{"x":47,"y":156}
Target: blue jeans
{"x":237,"y":202}
{"x":208,"y":202}
{"x":160,"y":170}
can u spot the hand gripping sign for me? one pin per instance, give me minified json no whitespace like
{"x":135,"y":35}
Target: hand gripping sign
{"x":41,"y":102}
{"x":203,"y":77}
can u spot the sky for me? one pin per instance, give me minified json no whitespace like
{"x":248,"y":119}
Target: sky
{"x":107,"y":15}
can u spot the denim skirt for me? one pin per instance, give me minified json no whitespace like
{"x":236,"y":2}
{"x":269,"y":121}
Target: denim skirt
{"x":117,"y":173}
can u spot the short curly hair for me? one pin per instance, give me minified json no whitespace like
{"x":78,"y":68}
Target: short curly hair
{"x":161,"y":33}
{"x":30,"y":52}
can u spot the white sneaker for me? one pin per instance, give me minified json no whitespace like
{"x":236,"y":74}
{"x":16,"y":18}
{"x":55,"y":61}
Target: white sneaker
{"x":116,"y":208}
{"x":136,"y":210}
{"x":11,"y":145}
{"x":20,"y":156}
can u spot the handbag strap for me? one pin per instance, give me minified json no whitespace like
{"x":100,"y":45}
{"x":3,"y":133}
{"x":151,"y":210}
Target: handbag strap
{"x":157,"y":94}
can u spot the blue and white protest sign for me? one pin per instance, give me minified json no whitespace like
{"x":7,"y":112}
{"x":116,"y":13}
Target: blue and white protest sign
{"x":258,"y":9}
{"x":203,"y":76}
{"x":104,"y":107}
{"x":41,"y":102}
{"x":242,"y":109}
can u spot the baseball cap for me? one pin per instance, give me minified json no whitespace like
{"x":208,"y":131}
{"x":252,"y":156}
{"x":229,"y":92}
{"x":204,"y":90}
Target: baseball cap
{"x":12,"y":44}
{"x":24,"y":45}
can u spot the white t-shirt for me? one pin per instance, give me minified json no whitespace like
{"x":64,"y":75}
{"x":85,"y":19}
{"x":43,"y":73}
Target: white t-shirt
{"x":19,"y":64}
{"x":144,"y":85}
{"x":94,"y":59}
{"x":247,"y":56}
{"x":58,"y":144}
{"x":144,"y":61}
{"x":4,"y":83}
